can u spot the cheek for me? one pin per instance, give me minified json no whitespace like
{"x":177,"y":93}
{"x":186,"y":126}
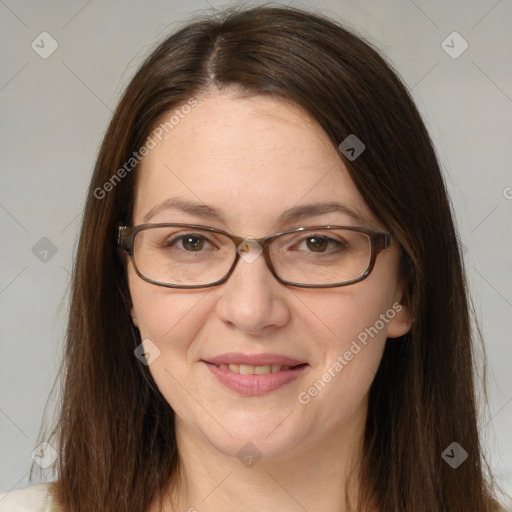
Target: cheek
{"x":335,"y":318}
{"x":349,"y":352}
{"x":171,"y":321}
{"x":349,"y":326}
{"x":169,"y":318}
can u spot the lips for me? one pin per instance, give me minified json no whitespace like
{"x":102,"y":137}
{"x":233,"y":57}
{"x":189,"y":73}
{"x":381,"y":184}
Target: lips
{"x":255,"y":374}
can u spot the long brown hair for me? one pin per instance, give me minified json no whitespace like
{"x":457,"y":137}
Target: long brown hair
{"x":115,"y":431}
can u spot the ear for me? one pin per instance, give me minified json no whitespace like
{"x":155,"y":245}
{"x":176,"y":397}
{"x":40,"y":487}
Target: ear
{"x":134,"y":317}
{"x":402,"y":322}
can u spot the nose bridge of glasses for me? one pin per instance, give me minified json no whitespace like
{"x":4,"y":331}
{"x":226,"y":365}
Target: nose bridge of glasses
{"x":249,"y":248}
{"x":257,"y":245}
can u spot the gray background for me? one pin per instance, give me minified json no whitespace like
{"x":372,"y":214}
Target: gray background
{"x":55,"y":111}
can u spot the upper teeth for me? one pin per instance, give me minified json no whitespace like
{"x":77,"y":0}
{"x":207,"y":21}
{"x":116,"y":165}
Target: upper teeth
{"x":253,"y":370}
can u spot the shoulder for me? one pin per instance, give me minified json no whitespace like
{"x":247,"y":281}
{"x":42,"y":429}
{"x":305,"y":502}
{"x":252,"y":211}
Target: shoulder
{"x":34,"y":498}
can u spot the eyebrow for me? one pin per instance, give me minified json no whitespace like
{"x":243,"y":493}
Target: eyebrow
{"x":293,"y":214}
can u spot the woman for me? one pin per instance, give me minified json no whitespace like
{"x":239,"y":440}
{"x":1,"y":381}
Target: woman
{"x":269,"y":310}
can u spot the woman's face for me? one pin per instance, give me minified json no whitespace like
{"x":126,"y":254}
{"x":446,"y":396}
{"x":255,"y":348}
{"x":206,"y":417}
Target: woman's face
{"x":252,"y":160}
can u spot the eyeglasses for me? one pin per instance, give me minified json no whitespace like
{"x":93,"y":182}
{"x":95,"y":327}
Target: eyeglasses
{"x":194,"y":256}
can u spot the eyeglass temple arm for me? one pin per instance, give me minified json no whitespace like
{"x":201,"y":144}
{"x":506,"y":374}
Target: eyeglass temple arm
{"x":382,"y":240}
{"x":123,"y":234}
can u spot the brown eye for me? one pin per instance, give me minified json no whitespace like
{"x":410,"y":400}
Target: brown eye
{"x":317,"y":243}
{"x":191,"y":242}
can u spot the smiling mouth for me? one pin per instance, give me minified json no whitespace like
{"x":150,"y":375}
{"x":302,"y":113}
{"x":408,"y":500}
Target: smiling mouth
{"x":256,"y":380}
{"x":246,"y":369}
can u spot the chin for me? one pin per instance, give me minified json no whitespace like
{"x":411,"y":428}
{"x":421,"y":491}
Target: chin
{"x":265,"y":436}
{"x":258,"y":446}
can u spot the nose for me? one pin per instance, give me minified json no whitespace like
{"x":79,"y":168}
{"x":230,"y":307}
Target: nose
{"x":252,"y":299}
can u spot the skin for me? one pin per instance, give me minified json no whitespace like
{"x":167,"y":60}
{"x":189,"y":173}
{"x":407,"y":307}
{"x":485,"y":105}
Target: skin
{"x":252,"y":159}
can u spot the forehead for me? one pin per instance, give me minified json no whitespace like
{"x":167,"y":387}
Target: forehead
{"x":249,"y":158}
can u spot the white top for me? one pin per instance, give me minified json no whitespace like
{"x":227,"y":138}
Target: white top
{"x":34,"y":498}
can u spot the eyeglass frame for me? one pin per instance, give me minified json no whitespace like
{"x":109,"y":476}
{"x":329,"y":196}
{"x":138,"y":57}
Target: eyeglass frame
{"x":379,"y":240}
